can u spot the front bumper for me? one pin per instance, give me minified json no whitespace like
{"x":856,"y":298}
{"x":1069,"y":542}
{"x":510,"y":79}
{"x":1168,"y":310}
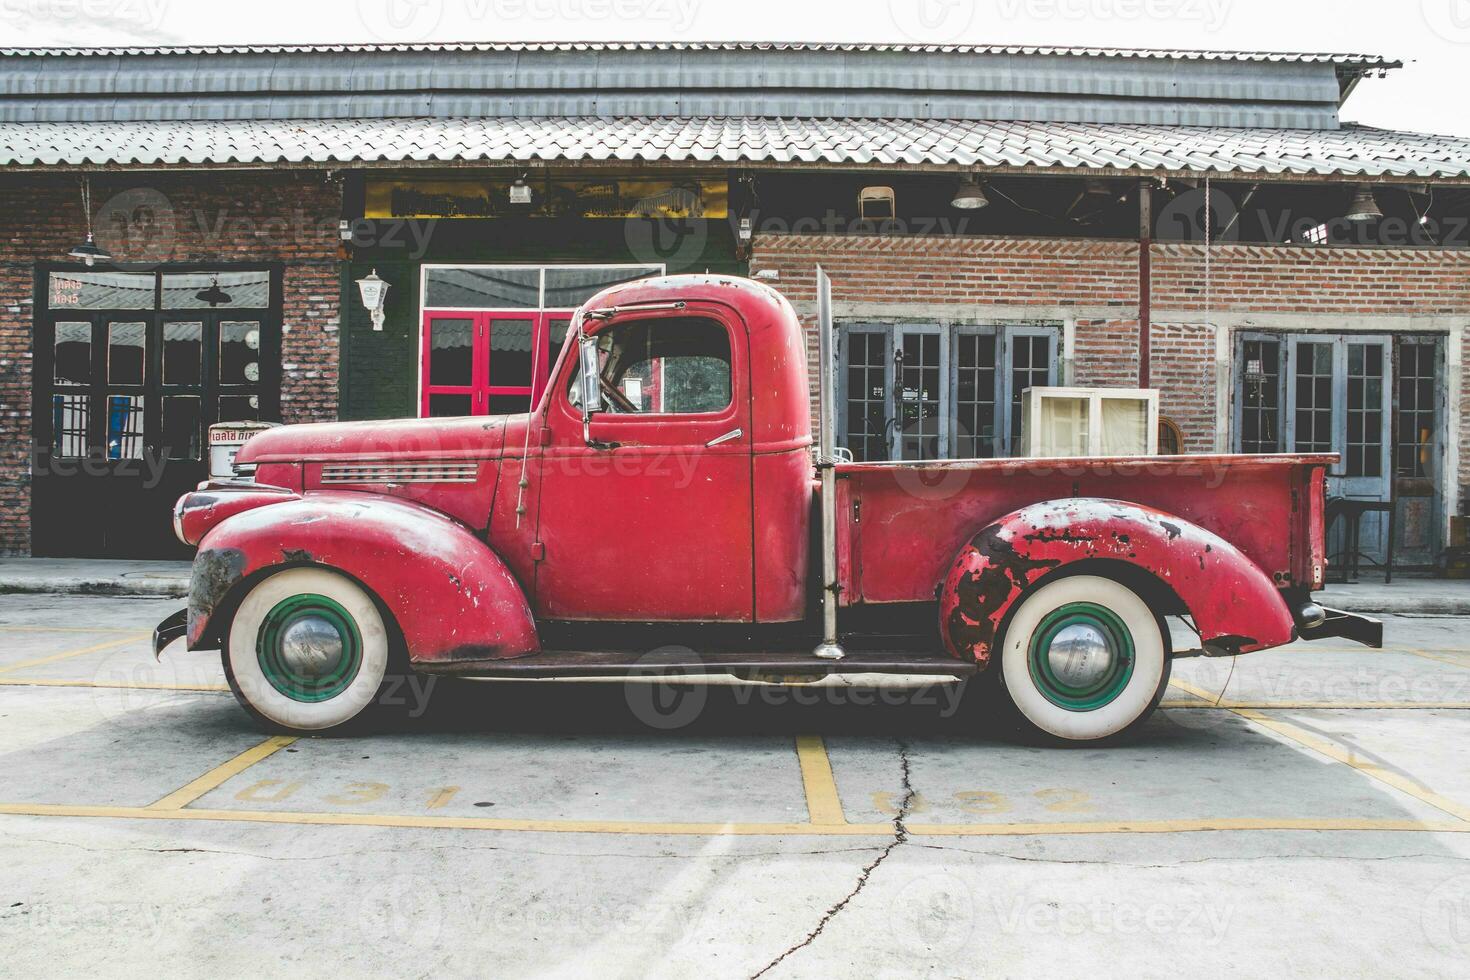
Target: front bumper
{"x":169,"y":630}
{"x":1348,"y":626}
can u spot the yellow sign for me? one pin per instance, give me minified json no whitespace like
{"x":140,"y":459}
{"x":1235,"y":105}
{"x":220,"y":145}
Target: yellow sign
{"x":610,"y":197}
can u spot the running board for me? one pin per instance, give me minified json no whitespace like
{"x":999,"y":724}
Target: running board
{"x":587,"y":663}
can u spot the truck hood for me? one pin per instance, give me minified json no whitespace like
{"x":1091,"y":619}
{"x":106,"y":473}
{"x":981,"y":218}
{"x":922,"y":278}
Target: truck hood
{"x":481,"y":437}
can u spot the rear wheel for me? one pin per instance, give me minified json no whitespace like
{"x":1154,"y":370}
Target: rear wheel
{"x":1084,"y":659}
{"x":308,"y":650}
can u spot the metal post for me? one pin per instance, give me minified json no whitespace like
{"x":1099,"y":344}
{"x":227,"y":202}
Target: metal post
{"x":829,"y":649}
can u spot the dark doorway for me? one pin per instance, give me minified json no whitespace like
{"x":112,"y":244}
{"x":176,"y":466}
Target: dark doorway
{"x":131,"y":368}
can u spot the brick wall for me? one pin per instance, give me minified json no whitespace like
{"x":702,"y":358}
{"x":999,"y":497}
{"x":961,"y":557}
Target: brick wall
{"x":1060,"y":274}
{"x":196,"y":218}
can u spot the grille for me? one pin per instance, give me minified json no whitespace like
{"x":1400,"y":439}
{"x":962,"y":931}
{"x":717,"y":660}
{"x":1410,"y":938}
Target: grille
{"x":420,"y":472}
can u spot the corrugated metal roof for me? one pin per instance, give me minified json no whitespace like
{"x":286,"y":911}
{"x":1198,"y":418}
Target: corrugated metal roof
{"x":1365,"y":61}
{"x":1351,"y":151}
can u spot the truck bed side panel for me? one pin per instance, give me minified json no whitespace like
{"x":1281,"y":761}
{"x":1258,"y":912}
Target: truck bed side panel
{"x":906,"y":522}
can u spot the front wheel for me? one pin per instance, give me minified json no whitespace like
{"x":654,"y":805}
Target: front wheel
{"x":1084,"y":659}
{"x":308,"y":650}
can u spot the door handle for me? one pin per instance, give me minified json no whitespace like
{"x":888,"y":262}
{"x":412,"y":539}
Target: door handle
{"x":728,"y":436}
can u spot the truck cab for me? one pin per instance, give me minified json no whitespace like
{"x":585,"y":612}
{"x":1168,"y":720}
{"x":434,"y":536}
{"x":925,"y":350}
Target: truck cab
{"x":665,"y":490}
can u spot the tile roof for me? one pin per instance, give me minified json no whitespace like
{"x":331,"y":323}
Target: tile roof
{"x":1350,"y":151}
{"x":1365,"y":61}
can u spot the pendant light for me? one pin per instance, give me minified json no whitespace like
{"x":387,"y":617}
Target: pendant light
{"x":89,"y":251}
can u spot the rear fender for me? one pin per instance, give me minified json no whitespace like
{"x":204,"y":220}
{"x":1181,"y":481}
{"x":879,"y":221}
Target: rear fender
{"x":1234,"y":604}
{"x":452,"y":597}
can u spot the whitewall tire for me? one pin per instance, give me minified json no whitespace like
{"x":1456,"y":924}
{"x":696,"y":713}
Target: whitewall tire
{"x":1084,"y":659}
{"x":308,"y":650}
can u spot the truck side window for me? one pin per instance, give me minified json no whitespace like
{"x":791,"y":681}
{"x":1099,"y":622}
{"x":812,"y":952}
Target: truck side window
{"x":664,"y":366}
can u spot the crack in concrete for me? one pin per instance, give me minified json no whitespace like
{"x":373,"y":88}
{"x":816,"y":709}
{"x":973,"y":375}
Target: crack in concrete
{"x":900,"y":837}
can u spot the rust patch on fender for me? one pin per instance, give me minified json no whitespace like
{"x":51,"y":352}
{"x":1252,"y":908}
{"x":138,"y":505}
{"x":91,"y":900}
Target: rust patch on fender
{"x":984,"y":588}
{"x":215,"y":572}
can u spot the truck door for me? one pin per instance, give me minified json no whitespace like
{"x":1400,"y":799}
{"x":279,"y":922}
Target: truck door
{"x":652,"y":520}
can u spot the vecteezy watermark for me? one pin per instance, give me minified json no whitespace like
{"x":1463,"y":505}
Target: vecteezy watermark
{"x":665,"y":701}
{"x":142,"y":15}
{"x":1445,"y":917}
{"x":1450,"y":19}
{"x":404,"y":21}
{"x":402,"y":916}
{"x":408,"y":21}
{"x":1209,"y":14}
{"x":932,"y":21}
{"x":1061,"y":917}
{"x":138,"y":226}
{"x":934,"y":913}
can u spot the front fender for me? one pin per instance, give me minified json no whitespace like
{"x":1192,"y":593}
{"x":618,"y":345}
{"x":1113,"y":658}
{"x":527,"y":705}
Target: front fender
{"x":1234,"y":604}
{"x":453,"y":598}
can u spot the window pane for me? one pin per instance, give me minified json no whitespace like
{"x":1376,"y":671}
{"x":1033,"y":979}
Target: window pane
{"x":510,"y":354}
{"x":483,"y":289}
{"x":124,"y":426}
{"x":125,"y":352}
{"x":451,"y":352}
{"x":666,"y":366}
{"x":239,"y":352}
{"x":69,"y":425}
{"x":181,"y":426}
{"x":100,"y":291}
{"x":568,"y":289}
{"x":556,"y":337}
{"x":183,"y":353}
{"x":239,"y":408}
{"x":509,"y":404}
{"x":448,"y":406}
{"x":72,"y":363}
{"x":217,"y":290}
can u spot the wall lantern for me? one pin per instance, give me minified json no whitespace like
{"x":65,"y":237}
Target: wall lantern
{"x":970,"y":196}
{"x":374,"y":296}
{"x":89,"y":251}
{"x":520,"y":192}
{"x":1364,"y":208}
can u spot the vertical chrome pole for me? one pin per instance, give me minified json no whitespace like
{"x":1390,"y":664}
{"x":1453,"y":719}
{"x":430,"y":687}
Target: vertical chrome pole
{"x":829,"y":649}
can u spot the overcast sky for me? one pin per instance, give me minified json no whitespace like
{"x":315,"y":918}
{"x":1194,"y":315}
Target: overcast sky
{"x":1432,"y":37}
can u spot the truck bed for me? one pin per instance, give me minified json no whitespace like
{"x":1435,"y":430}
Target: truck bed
{"x":900,"y":525}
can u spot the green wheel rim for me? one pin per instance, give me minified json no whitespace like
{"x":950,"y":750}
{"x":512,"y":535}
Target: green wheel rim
{"x":1104,"y":690}
{"x":297,"y":685}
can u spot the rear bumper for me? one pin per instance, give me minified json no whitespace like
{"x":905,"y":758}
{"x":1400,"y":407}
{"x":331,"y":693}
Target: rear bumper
{"x":1348,"y":626}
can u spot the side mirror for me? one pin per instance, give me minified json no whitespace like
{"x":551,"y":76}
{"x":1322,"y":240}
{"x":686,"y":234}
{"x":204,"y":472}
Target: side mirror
{"x":589,"y":379}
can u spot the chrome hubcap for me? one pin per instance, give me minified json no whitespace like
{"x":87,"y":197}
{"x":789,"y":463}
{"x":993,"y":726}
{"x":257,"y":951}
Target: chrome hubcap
{"x":311,"y":647}
{"x":1080,"y":656}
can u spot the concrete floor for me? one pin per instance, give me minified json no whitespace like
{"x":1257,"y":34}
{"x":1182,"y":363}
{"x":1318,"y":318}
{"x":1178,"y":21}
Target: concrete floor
{"x":1312,"y":817}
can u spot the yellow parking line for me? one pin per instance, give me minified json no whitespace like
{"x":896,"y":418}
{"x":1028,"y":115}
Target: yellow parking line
{"x":1335,"y":751}
{"x":64,"y":629}
{"x":218,"y":775}
{"x":1367,"y":767}
{"x":98,"y":648}
{"x":823,"y":806}
{"x":111,"y":685}
{"x":408,"y":821}
{"x":1320,"y":705}
{"x":1427,"y":655}
{"x":1198,"y":692}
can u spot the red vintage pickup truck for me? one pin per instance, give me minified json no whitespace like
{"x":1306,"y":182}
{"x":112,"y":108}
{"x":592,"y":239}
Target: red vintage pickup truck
{"x":666,"y":490}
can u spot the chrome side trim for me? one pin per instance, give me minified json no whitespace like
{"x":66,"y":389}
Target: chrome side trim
{"x":336,"y":474}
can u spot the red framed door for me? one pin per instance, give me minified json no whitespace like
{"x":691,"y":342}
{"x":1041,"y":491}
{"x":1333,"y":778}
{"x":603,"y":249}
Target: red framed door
{"x":487,"y":362}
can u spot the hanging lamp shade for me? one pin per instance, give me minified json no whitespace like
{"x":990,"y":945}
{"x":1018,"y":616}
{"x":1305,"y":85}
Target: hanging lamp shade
{"x":90,"y":252}
{"x":970,"y":196}
{"x":1365,"y":207}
